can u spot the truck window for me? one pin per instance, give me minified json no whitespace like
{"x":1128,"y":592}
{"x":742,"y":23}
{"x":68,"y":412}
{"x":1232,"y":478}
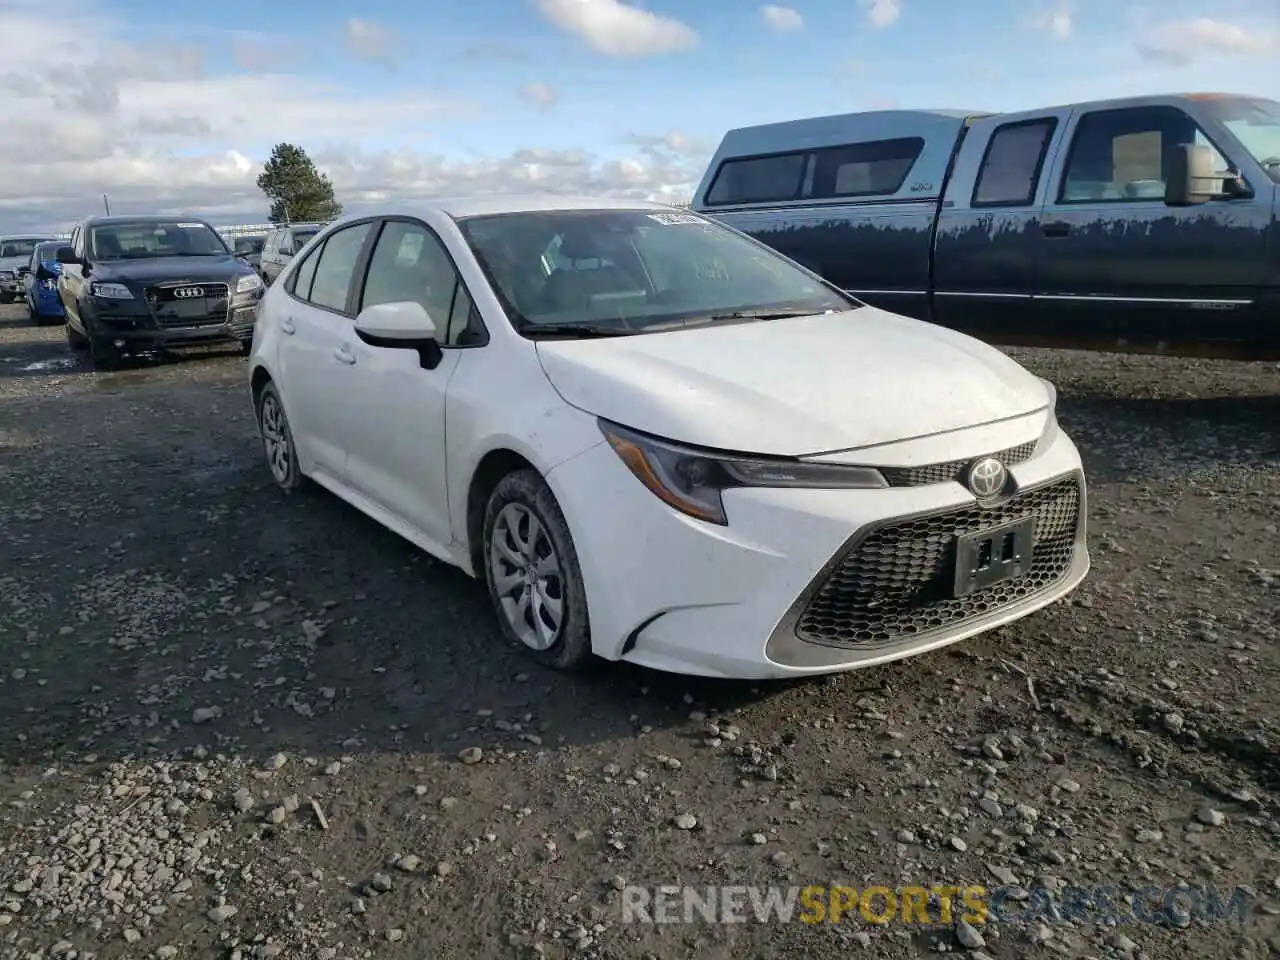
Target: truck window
{"x":1123,"y":155}
{"x":1011,"y":166}
{"x":768,"y":179}
{"x":876,"y":168}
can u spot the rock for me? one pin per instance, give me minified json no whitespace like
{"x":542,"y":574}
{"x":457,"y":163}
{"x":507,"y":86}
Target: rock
{"x":408,"y":864}
{"x":470,"y":755}
{"x":1211,"y":817}
{"x":759,"y":839}
{"x":617,"y":882}
{"x":205,"y":714}
{"x":444,"y":869}
{"x":958,"y":844}
{"x":968,"y":937}
{"x":905,"y":836}
{"x":380,"y":882}
{"x":222,"y":913}
{"x":276,"y":762}
{"x":1067,"y":785}
{"x":685,"y":821}
{"x":1149,"y":836}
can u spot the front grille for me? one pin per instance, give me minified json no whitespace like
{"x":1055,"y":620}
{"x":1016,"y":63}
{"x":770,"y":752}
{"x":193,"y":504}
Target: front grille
{"x":896,"y":582}
{"x":952,"y":469}
{"x":188,"y":313}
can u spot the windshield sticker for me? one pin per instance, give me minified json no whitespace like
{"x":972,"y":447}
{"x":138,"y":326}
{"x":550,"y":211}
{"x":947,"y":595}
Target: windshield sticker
{"x":668,"y":219}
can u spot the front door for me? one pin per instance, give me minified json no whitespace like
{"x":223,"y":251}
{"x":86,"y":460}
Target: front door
{"x":313,"y":323}
{"x":394,"y":416}
{"x":1121,"y":267}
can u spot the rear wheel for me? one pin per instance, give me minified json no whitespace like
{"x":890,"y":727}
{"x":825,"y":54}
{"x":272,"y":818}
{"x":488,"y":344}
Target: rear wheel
{"x":531,"y":566}
{"x":277,"y":440}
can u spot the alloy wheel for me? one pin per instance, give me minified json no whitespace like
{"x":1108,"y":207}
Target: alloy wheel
{"x":526,"y":576}
{"x":275,"y":439}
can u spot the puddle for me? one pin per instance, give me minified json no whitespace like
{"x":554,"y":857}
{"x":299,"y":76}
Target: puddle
{"x":61,"y":363}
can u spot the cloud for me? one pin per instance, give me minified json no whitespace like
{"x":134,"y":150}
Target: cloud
{"x":1057,"y":21}
{"x":783,"y":19}
{"x":1181,"y":42}
{"x":618,"y":29}
{"x":163,"y":131}
{"x":540,"y":95}
{"x":881,"y":13}
{"x":368,"y":41}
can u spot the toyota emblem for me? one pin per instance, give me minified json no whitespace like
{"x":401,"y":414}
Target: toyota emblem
{"x":188,"y":293}
{"x":987,"y":477}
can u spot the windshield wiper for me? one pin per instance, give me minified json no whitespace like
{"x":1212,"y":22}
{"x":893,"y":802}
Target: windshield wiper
{"x":579,"y":330}
{"x":731,"y":315}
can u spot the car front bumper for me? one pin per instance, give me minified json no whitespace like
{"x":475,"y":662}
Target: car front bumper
{"x":806,"y":581}
{"x":135,"y":326}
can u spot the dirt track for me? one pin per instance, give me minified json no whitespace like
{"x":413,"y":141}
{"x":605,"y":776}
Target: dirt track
{"x":189,"y":661}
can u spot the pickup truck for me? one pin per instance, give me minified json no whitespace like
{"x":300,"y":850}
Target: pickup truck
{"x":1148,"y":225}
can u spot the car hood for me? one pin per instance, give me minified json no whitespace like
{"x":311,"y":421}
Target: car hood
{"x":794,"y":387}
{"x":170,"y":268}
{"x":13,"y":263}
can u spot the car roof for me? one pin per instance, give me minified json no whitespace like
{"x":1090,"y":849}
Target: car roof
{"x":39,"y":237}
{"x":491,"y":204}
{"x":104,"y":221}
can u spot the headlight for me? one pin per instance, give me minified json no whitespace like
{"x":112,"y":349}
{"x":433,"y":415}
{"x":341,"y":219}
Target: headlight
{"x":692,"y":480}
{"x":250,"y":281}
{"x":111,"y":291}
{"x":6,"y":274}
{"x":1051,"y":425}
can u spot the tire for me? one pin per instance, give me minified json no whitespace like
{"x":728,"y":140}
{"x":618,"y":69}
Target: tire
{"x":525,"y":608}
{"x":102,"y":355}
{"x":6,"y":296}
{"x":277,"y":440}
{"x":34,"y":315}
{"x":75,"y":339}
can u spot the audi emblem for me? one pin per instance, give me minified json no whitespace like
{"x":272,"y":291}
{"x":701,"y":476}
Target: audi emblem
{"x":188,"y":293}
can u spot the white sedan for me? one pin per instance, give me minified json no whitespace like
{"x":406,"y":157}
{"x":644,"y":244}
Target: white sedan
{"x":659,"y":441}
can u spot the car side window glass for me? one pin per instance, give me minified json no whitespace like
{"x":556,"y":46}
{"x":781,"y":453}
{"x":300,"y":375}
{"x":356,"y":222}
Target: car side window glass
{"x":269,"y":245}
{"x":1125,"y":155}
{"x":336,"y":266}
{"x":1012,"y":164}
{"x":300,"y":285}
{"x":465,"y":328}
{"x":410,"y":264}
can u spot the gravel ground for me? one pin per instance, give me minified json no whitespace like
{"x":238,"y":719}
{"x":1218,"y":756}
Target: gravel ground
{"x":237,"y":726}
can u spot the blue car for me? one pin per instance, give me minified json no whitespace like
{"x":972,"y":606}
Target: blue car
{"x":43,"y":303}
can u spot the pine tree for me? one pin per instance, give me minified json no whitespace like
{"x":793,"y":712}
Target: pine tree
{"x":298,"y":192}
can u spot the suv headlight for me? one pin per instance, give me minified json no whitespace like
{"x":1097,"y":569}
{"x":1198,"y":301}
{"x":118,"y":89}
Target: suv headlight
{"x":111,"y":291}
{"x":692,"y":480}
{"x":250,"y":281}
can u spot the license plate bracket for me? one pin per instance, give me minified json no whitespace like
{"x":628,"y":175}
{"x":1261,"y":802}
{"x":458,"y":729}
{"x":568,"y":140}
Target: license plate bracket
{"x":991,"y":556}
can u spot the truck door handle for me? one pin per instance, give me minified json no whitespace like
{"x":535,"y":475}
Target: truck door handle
{"x":1056,"y":228}
{"x":345,"y":355}
{"x":286,"y":325}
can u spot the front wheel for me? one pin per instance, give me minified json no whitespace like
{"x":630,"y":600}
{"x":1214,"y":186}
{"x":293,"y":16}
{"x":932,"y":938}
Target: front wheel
{"x":75,"y":339}
{"x":6,"y":296}
{"x":531,"y":566}
{"x":103,"y":355}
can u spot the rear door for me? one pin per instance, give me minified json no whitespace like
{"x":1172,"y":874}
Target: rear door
{"x":986,"y":246}
{"x":1117,"y":265}
{"x":314,"y":374}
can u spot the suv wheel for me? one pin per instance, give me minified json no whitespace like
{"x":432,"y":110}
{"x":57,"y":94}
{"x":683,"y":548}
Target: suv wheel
{"x":531,"y":566}
{"x":103,"y":355}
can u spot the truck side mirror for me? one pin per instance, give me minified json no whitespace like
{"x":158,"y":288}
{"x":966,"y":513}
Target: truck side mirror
{"x":1192,"y":179}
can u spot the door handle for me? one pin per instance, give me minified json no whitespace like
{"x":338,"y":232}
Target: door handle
{"x":345,"y":355}
{"x":286,"y":325}
{"x":1056,"y":228}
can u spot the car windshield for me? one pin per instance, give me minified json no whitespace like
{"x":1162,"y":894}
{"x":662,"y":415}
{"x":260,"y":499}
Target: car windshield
{"x":1256,"y":124}
{"x":18,"y":248}
{"x":152,"y":238}
{"x":249,"y":245}
{"x":47,"y":252}
{"x":636,"y":270}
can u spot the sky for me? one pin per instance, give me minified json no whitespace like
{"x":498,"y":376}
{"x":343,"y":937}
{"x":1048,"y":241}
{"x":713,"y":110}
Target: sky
{"x":172,"y":107}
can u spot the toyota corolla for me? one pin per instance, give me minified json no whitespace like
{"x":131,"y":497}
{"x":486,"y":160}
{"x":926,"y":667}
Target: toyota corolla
{"x":659,"y":441}
{"x":142,"y":285}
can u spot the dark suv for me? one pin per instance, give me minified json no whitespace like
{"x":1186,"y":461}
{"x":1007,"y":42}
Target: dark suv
{"x":282,"y":245}
{"x":139,"y":285}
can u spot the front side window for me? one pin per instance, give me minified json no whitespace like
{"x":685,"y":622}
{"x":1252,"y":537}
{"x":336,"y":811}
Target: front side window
{"x":1256,"y":124}
{"x":45,"y":253}
{"x":149,"y":238}
{"x":1011,"y":168}
{"x":336,"y":266}
{"x":637,"y":270}
{"x":1124,"y":155}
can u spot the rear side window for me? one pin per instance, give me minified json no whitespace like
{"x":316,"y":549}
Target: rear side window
{"x":335,"y":267}
{"x":300,"y":284}
{"x":759,"y":179}
{"x":873,"y":168}
{"x":1012,"y":164}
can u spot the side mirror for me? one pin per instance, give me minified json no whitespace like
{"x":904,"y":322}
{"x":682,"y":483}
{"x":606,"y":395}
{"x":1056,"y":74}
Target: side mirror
{"x":1192,"y":179}
{"x":66,"y":255}
{"x":406,"y":322}
{"x":404,"y":325}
